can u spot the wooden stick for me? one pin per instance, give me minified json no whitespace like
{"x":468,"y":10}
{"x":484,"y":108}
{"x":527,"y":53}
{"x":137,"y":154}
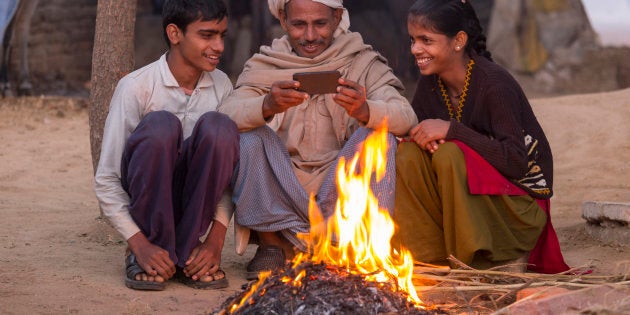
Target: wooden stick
{"x":508,"y":287}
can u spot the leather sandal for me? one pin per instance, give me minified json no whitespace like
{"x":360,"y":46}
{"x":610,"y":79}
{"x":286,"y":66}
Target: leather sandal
{"x":202,"y":285}
{"x":132,"y":270}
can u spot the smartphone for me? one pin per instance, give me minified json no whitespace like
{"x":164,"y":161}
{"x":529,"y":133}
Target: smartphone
{"x":320,"y":82}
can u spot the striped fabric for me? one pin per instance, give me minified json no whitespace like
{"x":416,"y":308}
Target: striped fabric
{"x":268,"y":196}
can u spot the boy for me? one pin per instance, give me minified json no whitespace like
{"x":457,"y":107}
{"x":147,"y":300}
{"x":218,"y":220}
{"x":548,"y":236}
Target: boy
{"x":167,"y":155}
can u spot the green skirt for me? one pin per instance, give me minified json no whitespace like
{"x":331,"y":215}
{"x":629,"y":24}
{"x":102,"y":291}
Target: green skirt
{"x":437,"y":216}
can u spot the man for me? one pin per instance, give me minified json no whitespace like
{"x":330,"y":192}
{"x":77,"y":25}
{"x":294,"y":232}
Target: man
{"x":292,"y":141}
{"x":167,"y":155}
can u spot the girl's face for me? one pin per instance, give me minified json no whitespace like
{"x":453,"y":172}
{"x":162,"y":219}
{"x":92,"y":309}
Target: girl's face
{"x":435,"y":53}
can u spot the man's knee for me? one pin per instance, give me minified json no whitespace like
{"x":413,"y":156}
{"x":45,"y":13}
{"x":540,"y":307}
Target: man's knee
{"x":252,"y":139}
{"x":361,"y":134}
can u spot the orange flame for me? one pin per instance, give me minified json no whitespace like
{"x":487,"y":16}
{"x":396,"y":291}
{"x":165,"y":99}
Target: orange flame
{"x":249,"y":294}
{"x":360,"y":231}
{"x":357,"y":236}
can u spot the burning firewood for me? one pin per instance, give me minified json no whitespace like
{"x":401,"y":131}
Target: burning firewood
{"x":320,"y":289}
{"x":347,"y":270}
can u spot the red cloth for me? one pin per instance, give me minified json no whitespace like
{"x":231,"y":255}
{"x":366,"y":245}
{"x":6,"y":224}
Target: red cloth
{"x":484,"y":179}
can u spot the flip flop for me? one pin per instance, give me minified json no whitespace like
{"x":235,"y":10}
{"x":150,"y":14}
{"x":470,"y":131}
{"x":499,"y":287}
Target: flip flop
{"x":133,"y":269}
{"x":202,"y":285}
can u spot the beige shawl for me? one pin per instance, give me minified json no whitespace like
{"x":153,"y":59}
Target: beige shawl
{"x":348,"y":53}
{"x":357,"y":62}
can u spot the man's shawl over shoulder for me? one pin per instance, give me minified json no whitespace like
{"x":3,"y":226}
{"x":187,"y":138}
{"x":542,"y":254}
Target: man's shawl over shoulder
{"x":349,"y":55}
{"x":278,"y":62}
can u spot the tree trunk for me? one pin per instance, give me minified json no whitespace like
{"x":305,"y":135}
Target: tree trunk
{"x":112,"y":58}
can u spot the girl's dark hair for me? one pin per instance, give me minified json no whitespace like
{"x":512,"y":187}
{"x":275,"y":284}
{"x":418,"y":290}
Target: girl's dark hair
{"x":184,"y":12}
{"x":448,"y":18}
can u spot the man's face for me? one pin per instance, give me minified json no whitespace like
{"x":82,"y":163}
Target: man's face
{"x":310,"y":26}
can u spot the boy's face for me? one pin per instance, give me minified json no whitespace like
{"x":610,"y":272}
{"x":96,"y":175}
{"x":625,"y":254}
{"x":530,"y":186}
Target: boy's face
{"x":202,"y":44}
{"x":310,"y":26}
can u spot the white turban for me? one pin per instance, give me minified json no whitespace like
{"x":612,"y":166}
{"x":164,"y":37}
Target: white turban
{"x":276,"y":5}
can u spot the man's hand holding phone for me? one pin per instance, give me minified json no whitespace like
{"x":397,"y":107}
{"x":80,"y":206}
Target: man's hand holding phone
{"x":282,"y":96}
{"x":348,"y":94}
{"x":286,"y":94}
{"x":353,"y":98}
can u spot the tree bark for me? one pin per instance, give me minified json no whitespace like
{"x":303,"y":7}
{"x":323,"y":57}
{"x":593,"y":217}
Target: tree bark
{"x":112,"y":58}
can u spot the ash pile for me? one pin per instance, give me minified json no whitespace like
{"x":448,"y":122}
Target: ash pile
{"x":319,"y":289}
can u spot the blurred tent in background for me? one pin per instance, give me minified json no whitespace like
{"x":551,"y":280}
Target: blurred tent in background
{"x":546,"y":43}
{"x":549,"y":45}
{"x":525,"y":35}
{"x":383,"y":24}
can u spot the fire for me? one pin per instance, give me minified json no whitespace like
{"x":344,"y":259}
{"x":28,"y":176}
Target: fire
{"x":357,"y":236}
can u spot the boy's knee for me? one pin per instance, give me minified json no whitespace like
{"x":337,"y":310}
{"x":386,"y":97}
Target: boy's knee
{"x":160,"y":128}
{"x":218,"y":126}
{"x":219,"y":121}
{"x":159,"y":118}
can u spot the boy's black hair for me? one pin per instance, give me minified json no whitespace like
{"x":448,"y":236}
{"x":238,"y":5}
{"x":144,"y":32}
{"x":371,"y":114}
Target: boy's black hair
{"x":184,"y":12}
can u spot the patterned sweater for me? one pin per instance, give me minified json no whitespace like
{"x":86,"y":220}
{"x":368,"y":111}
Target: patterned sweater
{"x":498,"y":123}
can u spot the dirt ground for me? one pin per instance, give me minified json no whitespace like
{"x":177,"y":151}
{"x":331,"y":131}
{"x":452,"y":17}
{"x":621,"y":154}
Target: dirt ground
{"x":58,"y":257}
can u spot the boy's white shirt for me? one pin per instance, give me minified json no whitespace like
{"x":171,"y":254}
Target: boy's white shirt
{"x":151,"y":88}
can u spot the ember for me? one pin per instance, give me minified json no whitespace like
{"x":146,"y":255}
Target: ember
{"x":320,"y":289}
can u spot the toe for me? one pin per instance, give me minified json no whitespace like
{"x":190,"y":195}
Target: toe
{"x":218,"y":275}
{"x":213,"y":277}
{"x":206,"y":278}
{"x":145,"y":277}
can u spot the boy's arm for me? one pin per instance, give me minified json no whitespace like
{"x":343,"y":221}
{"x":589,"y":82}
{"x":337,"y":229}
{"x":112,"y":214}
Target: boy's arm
{"x":113,"y":200}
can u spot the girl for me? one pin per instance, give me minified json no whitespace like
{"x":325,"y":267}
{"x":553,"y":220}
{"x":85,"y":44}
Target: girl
{"x":475,"y":176}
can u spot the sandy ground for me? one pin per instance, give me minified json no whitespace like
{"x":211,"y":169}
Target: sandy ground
{"x":58,"y":257}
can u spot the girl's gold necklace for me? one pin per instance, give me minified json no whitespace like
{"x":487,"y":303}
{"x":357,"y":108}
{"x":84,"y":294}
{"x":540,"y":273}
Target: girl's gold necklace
{"x":462,"y":97}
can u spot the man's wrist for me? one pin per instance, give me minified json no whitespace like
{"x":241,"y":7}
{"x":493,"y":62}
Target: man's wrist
{"x":266,"y":109}
{"x":364,"y":114}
